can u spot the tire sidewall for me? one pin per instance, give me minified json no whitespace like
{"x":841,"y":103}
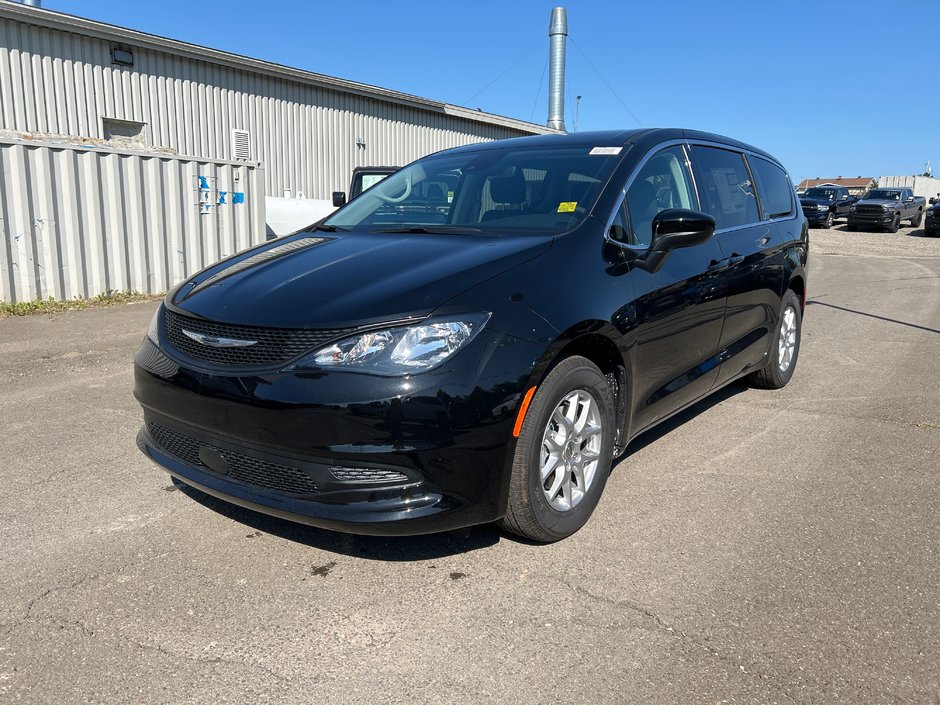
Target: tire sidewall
{"x":589,"y":379}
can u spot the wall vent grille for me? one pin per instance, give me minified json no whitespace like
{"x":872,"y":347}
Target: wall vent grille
{"x":241,"y":145}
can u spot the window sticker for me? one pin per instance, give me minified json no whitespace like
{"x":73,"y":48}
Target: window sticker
{"x":567,"y":206}
{"x":606,"y":150}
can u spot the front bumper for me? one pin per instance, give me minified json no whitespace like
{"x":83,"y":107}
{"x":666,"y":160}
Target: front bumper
{"x":872,"y":220}
{"x":339,"y":450}
{"x":816,"y":217}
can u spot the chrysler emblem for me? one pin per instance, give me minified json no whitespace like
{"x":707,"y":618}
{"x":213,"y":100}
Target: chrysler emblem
{"x":214,"y":342}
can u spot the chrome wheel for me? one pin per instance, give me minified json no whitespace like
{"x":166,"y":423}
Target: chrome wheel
{"x":787,"y":345}
{"x":571,"y":446}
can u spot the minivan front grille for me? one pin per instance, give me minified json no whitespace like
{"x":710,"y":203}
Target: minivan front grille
{"x":242,"y":467}
{"x":269,"y":346}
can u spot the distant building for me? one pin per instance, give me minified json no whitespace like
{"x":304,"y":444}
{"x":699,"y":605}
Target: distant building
{"x":66,"y":76}
{"x":856,"y":186}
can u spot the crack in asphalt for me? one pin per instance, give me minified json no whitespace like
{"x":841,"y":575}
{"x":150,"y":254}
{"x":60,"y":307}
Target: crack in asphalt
{"x":663,"y":626}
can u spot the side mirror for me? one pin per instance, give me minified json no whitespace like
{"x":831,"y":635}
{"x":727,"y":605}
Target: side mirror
{"x":675,"y":228}
{"x":910,"y":199}
{"x":932,"y":200}
{"x":339,"y":199}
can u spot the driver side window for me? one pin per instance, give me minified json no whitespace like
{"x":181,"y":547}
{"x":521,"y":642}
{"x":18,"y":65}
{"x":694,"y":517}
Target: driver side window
{"x":662,"y":183}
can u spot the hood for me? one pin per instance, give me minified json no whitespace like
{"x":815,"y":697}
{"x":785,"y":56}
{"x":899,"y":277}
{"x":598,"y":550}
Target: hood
{"x":338,"y":280}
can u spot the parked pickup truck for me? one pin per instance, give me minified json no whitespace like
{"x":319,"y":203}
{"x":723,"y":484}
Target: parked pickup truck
{"x":932,"y":218}
{"x":823,"y":204}
{"x":885,"y":208}
{"x":363,"y":177}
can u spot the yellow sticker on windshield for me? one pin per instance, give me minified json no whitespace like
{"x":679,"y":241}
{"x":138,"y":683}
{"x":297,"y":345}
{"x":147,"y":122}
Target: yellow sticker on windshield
{"x":567,"y":206}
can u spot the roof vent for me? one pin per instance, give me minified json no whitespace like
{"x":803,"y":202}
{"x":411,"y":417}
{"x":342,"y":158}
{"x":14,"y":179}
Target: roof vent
{"x":241,"y":145}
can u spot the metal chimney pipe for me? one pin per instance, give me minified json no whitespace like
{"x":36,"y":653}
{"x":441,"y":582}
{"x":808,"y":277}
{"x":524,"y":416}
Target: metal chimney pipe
{"x":558,"y":36}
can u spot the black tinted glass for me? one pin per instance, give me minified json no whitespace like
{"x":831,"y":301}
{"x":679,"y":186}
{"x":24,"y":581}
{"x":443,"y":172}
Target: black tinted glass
{"x":725,"y":187}
{"x":776,"y":192}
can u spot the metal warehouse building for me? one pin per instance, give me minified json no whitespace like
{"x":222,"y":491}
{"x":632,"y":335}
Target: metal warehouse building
{"x":131,"y":160}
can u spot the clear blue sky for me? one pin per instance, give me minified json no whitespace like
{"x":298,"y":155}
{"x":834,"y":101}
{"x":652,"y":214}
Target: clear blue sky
{"x":830,"y":88}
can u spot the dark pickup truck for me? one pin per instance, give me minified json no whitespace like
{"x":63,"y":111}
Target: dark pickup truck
{"x":932,"y":218}
{"x":885,"y":208}
{"x":823,"y":204}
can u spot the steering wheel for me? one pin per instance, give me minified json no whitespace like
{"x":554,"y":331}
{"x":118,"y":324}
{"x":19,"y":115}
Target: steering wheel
{"x":395,"y":199}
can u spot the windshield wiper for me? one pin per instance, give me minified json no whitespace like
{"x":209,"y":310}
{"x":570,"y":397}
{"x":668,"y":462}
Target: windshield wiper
{"x":329,"y":228}
{"x":430,"y":229}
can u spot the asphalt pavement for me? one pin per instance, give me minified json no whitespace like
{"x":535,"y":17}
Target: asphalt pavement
{"x":762,"y":547}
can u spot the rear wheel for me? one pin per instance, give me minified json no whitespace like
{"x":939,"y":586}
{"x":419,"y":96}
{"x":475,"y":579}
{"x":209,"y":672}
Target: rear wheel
{"x":785,"y":348}
{"x":915,"y":221}
{"x":563,"y":455}
{"x":895,"y":224}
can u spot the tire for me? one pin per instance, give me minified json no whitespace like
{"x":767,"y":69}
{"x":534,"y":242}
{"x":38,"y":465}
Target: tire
{"x":772,"y":376}
{"x":578,"y":387}
{"x":828,"y":223}
{"x":895,"y":224}
{"x":851,"y":227}
{"x":915,"y":221}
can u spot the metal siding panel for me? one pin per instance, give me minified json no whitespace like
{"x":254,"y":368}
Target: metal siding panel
{"x":78,"y":222}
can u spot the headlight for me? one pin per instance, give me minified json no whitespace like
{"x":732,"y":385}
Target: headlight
{"x":400,"y":350}
{"x":851,"y":209}
{"x":822,"y":207}
{"x":153,"y":331}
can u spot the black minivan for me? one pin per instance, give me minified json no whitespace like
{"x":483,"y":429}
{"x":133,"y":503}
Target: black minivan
{"x":478,"y":337}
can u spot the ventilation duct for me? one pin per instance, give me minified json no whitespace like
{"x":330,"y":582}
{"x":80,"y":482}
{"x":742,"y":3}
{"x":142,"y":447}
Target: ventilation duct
{"x":558,"y":36}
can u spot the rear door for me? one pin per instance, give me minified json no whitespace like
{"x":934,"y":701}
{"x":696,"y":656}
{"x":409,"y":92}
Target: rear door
{"x":751,"y":241}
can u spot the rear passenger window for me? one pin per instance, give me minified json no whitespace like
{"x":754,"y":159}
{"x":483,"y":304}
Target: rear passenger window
{"x":725,"y":187}
{"x":776,"y":192}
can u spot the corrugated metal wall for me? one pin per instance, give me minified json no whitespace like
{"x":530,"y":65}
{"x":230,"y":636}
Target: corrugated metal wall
{"x":79,"y":222}
{"x":60,"y":82}
{"x":926,"y":186}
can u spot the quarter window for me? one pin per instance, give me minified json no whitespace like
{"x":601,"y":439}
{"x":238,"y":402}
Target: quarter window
{"x":662,"y":183}
{"x":725,"y":186}
{"x":776,"y":191}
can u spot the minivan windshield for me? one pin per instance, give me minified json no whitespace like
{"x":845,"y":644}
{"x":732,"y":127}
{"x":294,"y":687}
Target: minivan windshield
{"x":514,"y":190}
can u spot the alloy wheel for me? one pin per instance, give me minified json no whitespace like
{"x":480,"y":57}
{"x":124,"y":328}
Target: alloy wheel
{"x":787,"y":346}
{"x":571,"y":445}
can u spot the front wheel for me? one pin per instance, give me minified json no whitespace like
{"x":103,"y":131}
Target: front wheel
{"x":785,"y":348}
{"x":563,"y":455}
{"x":895,"y":224}
{"x":829,"y":221}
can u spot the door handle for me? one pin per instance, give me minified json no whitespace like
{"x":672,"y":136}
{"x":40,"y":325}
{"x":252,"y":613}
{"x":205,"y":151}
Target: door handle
{"x":718,"y":265}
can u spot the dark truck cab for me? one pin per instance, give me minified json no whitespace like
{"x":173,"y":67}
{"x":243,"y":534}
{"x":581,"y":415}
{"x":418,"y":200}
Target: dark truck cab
{"x":885,"y":208}
{"x":932,"y":218}
{"x":363,"y":177}
{"x":823,"y":204}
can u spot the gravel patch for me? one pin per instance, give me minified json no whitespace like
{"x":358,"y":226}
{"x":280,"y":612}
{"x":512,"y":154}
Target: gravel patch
{"x":906,"y":242}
